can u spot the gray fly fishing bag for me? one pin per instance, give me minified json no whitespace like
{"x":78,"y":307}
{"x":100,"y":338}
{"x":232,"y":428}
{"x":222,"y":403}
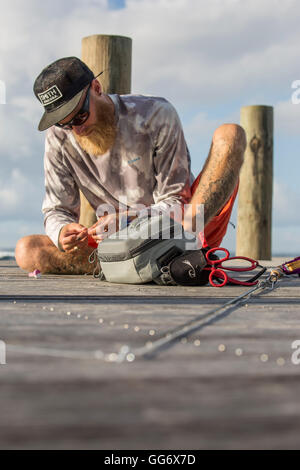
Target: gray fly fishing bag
{"x":137,"y":254}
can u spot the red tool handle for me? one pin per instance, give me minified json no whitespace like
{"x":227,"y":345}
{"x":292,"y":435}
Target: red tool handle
{"x":218,"y":274}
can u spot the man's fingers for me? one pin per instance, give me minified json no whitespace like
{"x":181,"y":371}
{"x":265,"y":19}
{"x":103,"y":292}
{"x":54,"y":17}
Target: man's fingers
{"x":95,"y":225}
{"x":75,"y":235}
{"x":72,"y":235}
{"x":75,"y":232}
{"x":98,"y":230}
{"x":81,"y":237}
{"x":74,"y":246}
{"x":99,"y":238}
{"x":99,"y":221}
{"x":75,"y":240}
{"x":69,"y":246}
{"x":69,"y":239}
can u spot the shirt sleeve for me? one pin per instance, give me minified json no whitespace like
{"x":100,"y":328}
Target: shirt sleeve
{"x":172,"y":163}
{"x":61,"y":205}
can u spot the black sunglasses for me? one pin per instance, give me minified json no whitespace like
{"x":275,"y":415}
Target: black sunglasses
{"x":83,"y":114}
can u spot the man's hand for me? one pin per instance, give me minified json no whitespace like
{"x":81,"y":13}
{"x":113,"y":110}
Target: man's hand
{"x":73,"y":237}
{"x":109,"y":224}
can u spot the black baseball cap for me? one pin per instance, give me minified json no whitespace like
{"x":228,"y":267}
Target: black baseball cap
{"x":59,"y":88}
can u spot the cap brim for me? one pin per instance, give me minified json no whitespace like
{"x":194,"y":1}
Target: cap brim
{"x":51,"y":118}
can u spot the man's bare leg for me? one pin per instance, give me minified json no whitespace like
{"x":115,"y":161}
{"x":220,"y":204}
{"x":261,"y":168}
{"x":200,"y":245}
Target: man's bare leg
{"x":39,"y":252}
{"x":220,"y":173}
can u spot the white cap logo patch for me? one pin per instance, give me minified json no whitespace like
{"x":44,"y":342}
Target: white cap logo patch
{"x":50,"y":96}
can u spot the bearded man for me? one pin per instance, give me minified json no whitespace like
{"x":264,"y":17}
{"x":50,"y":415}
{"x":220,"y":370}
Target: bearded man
{"x":126,"y":150}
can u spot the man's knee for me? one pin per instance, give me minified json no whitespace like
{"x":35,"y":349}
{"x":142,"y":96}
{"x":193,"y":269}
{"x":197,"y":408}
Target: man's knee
{"x":27,"y":249}
{"x":233,"y":134}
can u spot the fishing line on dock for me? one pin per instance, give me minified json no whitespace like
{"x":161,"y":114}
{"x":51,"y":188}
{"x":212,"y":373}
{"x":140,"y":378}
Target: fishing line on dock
{"x":201,"y":321}
{"x":153,"y":348}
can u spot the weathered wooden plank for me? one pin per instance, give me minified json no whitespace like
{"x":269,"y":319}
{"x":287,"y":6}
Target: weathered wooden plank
{"x":237,"y":389}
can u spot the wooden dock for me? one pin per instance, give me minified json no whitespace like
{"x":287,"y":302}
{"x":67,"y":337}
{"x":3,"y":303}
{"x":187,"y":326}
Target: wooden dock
{"x":231,"y":385}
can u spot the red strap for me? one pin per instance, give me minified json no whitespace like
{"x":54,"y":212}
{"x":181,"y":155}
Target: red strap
{"x":92,"y":242}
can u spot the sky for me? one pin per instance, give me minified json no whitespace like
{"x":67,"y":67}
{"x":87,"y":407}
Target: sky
{"x":207,"y":58}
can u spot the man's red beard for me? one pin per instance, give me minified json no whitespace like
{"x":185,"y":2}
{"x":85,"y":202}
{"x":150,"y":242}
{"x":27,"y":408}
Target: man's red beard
{"x":101,"y":136}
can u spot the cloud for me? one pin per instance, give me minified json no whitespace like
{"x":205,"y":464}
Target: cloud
{"x":200,"y":127}
{"x":286,"y":203}
{"x":17,"y":196}
{"x":207,"y":47}
{"x":12,"y":230}
{"x":208,"y":58}
{"x":287,"y":117}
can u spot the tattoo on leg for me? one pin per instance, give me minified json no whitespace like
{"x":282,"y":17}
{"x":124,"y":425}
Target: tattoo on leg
{"x":218,"y":193}
{"x":219,"y":177}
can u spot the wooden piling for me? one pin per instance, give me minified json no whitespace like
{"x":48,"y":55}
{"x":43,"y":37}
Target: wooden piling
{"x":111,"y":54}
{"x":254,"y":224}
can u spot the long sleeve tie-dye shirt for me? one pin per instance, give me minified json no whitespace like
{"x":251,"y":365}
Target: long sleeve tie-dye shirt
{"x":149,"y":164}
